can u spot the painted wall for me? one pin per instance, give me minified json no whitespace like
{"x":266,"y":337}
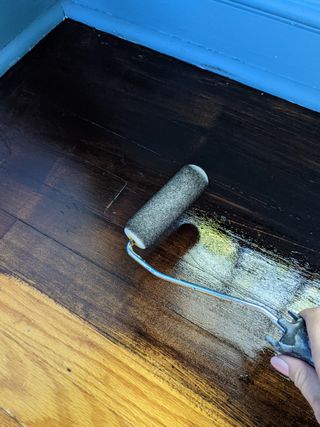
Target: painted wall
{"x":22,"y":24}
{"x":16,"y":15}
{"x":272,"y":46}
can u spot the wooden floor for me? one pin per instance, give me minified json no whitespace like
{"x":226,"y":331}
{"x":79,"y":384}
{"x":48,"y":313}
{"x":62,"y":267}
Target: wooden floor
{"x":90,"y":127}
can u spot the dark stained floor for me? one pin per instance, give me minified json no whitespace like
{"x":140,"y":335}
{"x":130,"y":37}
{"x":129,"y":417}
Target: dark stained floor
{"x":90,"y":127}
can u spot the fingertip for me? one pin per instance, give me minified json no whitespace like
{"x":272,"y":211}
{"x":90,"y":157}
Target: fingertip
{"x":280,"y":365}
{"x":310,"y":312}
{"x":303,"y":376}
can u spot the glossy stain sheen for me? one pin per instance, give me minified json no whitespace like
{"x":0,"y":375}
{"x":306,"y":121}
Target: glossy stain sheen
{"x":221,"y":260}
{"x":80,"y":156}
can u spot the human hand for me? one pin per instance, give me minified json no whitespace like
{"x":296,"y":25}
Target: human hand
{"x":303,"y":375}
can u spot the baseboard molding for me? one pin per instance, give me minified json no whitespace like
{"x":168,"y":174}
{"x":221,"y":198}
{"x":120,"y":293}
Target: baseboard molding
{"x":270,"y":48}
{"x":29,"y":37}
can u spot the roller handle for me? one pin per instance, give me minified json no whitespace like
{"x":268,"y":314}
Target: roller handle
{"x":295,"y":340}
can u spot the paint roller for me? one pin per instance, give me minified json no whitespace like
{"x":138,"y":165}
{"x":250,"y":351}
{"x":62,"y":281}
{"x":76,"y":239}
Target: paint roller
{"x":157,"y":217}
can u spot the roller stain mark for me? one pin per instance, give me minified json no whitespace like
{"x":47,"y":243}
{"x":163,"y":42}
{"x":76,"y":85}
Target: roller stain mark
{"x":222,"y":260}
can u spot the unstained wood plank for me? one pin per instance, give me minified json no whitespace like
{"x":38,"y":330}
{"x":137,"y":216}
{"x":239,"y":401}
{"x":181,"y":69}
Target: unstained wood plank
{"x":58,"y":371}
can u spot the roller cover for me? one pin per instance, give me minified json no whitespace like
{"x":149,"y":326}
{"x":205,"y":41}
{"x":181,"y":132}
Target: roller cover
{"x":157,"y":216}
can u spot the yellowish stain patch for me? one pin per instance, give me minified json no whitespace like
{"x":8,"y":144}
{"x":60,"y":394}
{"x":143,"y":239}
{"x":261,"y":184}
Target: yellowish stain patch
{"x":216,"y":241}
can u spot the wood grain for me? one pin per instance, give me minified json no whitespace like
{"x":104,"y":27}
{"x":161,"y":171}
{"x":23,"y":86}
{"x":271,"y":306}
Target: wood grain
{"x":58,"y":371}
{"x":7,"y":420}
{"x":251,"y":145}
{"x":210,"y":351}
{"x":6,"y":221}
{"x":80,"y":155}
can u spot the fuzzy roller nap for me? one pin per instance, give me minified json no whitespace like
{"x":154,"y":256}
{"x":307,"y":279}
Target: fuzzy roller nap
{"x":157,"y":216}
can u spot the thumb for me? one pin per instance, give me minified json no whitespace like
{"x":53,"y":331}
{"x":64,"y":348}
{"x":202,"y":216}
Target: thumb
{"x":303,"y":376}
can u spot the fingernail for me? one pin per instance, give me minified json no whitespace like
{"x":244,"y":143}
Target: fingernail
{"x":280,"y":365}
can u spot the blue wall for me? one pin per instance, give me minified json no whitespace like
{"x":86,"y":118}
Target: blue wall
{"x":16,"y":15}
{"x":22,"y":24}
{"x":273,"y":46}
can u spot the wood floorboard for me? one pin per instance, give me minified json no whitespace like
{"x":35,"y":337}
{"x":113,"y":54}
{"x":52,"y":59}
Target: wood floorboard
{"x":183,"y":349}
{"x":251,"y":154}
{"x":90,"y":127}
{"x":6,"y":221}
{"x":116,"y":154}
{"x":7,"y":420}
{"x":67,"y":374}
{"x":64,"y":175}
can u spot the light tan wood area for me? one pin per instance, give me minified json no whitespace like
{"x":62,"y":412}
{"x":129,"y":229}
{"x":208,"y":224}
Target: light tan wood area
{"x":56,"y":370}
{"x":7,"y":420}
